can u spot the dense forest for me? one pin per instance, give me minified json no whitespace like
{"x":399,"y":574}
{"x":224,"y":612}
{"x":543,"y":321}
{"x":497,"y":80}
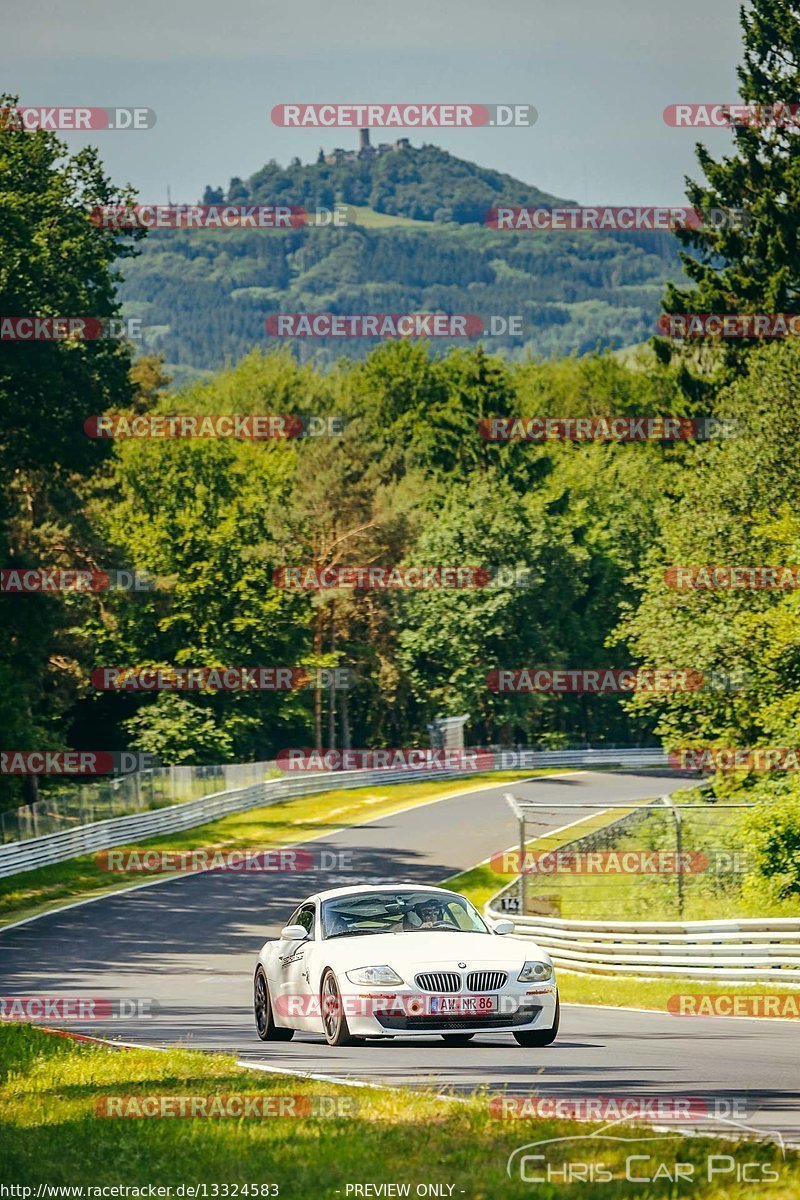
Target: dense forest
{"x":415,"y":239}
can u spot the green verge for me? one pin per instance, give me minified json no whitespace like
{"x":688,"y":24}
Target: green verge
{"x":51,"y":1088}
{"x":369,"y":218}
{"x":616,"y":991}
{"x":482,"y":882}
{"x":272,"y":826}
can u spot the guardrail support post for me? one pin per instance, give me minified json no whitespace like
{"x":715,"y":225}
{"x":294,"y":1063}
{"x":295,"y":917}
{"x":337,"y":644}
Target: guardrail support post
{"x":522,"y":864}
{"x":678,"y":851}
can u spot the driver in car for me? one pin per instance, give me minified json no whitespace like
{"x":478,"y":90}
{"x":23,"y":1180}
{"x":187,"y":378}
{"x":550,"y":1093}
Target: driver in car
{"x":424,"y":916}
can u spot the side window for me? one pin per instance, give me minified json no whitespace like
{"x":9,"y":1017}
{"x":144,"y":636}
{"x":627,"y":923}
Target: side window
{"x":305,"y":917}
{"x":459,"y":916}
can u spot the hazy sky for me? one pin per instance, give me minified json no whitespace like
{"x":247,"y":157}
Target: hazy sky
{"x":599,"y":72}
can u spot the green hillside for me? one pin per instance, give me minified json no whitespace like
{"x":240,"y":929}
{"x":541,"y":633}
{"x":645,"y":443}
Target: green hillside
{"x":415,"y":239}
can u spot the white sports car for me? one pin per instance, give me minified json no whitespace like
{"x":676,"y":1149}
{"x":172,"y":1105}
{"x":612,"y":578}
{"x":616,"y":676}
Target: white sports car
{"x":400,"y":961}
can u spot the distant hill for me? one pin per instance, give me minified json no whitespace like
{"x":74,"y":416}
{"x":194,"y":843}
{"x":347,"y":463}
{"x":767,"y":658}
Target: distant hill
{"x":425,"y":183}
{"x":415,"y":240}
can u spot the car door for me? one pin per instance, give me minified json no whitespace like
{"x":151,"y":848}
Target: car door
{"x":293,"y":966}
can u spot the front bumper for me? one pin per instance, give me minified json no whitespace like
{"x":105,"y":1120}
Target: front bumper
{"x":391,"y":1014}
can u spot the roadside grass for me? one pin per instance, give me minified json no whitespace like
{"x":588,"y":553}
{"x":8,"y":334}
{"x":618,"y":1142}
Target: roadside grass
{"x":272,"y":826}
{"x":619,"y":991}
{"x":51,"y":1134}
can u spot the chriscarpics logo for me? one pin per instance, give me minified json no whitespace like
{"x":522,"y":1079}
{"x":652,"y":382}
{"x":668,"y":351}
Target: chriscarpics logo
{"x":611,"y":1155}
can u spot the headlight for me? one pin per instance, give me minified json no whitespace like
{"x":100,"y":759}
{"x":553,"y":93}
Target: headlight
{"x":374,"y":975}
{"x":535,"y":972}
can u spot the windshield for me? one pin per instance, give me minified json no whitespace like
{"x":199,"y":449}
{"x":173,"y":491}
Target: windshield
{"x":405,"y":911}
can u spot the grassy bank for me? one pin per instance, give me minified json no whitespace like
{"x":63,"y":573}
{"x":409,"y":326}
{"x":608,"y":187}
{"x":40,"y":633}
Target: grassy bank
{"x":272,"y":826}
{"x":51,"y":1089}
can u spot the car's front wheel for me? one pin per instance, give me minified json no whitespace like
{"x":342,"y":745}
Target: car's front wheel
{"x":266,"y":1028}
{"x":334,"y":1021}
{"x":541,"y":1037}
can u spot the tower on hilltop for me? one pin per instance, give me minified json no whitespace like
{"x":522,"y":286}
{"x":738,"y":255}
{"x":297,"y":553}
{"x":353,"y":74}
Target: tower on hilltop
{"x":363,"y":139}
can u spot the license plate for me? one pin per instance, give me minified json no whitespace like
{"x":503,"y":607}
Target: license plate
{"x":463,"y":1006}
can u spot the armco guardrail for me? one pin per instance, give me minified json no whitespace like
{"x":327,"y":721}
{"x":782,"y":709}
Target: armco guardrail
{"x":16,"y":857}
{"x":629,"y":757}
{"x":751,"y":950}
{"x":97,"y":799}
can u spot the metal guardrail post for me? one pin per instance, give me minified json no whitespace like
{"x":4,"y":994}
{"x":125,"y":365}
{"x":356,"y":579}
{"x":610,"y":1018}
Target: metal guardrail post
{"x":522,"y":897}
{"x":679,"y":850}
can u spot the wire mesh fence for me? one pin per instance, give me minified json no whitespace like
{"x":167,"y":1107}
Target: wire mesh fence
{"x":684,"y":860}
{"x":59,"y":809}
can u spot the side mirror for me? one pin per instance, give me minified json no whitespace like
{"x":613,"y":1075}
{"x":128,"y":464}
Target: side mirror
{"x":297,"y":933}
{"x":503,"y":927}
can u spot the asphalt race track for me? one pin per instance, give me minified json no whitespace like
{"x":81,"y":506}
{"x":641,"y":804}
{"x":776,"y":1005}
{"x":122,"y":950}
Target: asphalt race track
{"x":190,"y":945}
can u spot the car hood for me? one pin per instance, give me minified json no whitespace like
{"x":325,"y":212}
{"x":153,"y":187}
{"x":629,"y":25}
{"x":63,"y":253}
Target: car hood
{"x":418,"y":950}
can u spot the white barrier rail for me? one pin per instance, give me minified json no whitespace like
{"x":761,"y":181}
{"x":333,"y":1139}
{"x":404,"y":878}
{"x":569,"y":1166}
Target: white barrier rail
{"x":16,"y":857}
{"x":27,"y":855}
{"x":752,"y":950}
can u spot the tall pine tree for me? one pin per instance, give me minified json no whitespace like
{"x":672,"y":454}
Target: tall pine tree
{"x":754,"y":265}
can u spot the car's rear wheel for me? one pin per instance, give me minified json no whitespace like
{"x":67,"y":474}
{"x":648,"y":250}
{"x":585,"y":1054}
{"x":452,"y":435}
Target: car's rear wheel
{"x":458,"y":1039}
{"x":541,"y":1037}
{"x":266,"y":1028}
{"x":334,"y":1021}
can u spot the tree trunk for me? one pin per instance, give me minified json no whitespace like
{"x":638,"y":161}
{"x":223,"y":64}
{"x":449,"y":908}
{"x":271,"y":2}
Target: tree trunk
{"x":318,"y":691}
{"x":346,"y":736}
{"x":332,"y":697}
